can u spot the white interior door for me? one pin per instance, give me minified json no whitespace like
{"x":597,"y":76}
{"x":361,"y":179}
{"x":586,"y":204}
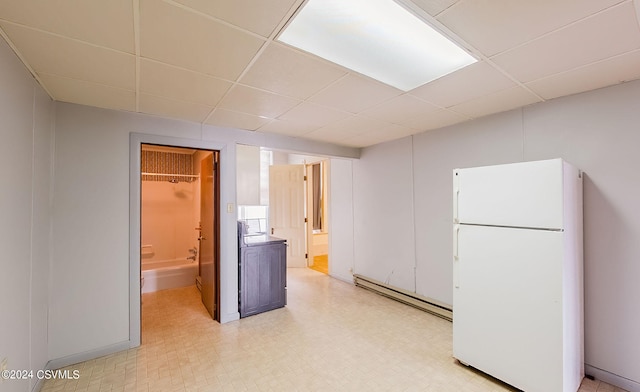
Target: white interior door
{"x":286,"y":210}
{"x":507,"y":304}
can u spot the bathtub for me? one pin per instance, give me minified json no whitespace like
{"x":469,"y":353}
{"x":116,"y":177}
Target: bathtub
{"x":168,"y":274}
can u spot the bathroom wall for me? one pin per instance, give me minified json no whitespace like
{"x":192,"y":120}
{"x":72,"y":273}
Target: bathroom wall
{"x":26,"y":134}
{"x":169,"y":219}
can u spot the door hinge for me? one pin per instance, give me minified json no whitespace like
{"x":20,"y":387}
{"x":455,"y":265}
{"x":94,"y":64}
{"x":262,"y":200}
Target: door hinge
{"x":305,"y":178}
{"x":305,"y":220}
{"x":306,"y":255}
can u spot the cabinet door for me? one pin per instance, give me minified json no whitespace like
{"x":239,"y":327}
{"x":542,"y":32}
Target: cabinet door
{"x":263,"y":278}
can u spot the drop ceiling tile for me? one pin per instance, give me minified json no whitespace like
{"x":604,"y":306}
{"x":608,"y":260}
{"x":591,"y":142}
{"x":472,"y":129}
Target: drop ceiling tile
{"x":180,"y":37}
{"x":287,"y":71}
{"x":86,"y":93}
{"x":434,"y":120}
{"x":231,"y":119}
{"x":152,"y":104}
{"x":500,"y":101}
{"x":379,"y":135}
{"x":260,"y":17}
{"x":313,"y":114}
{"x":615,"y":70}
{"x":327,"y":135}
{"x":257,"y":102}
{"x":89,"y":21}
{"x":353,"y":125}
{"x":354,"y":93}
{"x":287,"y":127}
{"x":463,"y":85}
{"x":180,"y":84}
{"x":607,"y":34}
{"x":434,"y":7}
{"x":498,"y":25}
{"x":399,"y":109}
{"x":54,"y":55}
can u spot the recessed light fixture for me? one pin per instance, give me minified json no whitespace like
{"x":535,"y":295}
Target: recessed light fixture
{"x":377,"y":38}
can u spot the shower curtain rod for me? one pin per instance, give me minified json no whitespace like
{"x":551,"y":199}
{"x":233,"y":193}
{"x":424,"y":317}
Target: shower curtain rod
{"x":171,"y":175}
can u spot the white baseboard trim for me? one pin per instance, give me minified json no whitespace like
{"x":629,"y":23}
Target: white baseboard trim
{"x":81,"y":357}
{"x":229,"y":317}
{"x":613,"y":379}
{"x":87,"y":355}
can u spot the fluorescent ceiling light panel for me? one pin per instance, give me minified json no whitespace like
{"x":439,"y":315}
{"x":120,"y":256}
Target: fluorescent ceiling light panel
{"x":377,"y":38}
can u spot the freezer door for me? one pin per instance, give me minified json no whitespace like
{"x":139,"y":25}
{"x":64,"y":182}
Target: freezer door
{"x":507,"y":305}
{"x":528,"y":194}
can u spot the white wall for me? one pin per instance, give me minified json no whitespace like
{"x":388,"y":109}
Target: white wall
{"x":90,"y":273}
{"x":596,"y":131}
{"x":341,"y":219}
{"x":26,"y":119}
{"x":384,"y":214}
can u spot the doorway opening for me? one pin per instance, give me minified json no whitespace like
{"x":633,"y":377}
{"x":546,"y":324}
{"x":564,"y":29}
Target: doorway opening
{"x":317,"y":228}
{"x":180,"y":221}
{"x":286,"y":195}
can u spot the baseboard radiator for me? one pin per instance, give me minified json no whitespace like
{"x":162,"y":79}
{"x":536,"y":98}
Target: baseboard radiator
{"x":404,"y":296}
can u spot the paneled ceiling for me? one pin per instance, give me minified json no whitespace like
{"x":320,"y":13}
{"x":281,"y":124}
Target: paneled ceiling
{"x":218,"y":62}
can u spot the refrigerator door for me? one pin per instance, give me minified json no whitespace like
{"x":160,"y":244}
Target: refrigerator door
{"x":527,"y":194}
{"x":507,"y":305}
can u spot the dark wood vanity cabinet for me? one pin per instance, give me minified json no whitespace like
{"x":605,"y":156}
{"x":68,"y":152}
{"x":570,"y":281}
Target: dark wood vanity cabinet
{"x":262,"y":274}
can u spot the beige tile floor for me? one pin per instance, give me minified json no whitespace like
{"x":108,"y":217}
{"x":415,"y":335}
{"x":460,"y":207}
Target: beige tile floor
{"x":331,"y":336}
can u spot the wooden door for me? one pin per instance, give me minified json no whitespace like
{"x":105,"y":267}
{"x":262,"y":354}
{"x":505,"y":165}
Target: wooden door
{"x":287,"y":210}
{"x":209,"y":233}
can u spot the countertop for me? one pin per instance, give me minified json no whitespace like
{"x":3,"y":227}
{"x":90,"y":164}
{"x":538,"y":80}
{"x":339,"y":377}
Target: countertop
{"x":263,"y":239}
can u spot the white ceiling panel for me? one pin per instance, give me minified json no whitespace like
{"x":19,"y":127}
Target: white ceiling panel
{"x":433,"y":120}
{"x":216,"y":62}
{"x":500,"y":101}
{"x":172,"y":108}
{"x":176,"y":36}
{"x":283,"y":70}
{"x":354,"y":93}
{"x":313,"y":114}
{"x":260,"y":17}
{"x":231,"y":119}
{"x":434,"y":7}
{"x":287,"y":127}
{"x":351,"y":126}
{"x":399,"y":109}
{"x":52,"y":54}
{"x":493,"y":26}
{"x":623,"y":68}
{"x":474,"y":81}
{"x":104,"y":23}
{"x":92,"y":94}
{"x":257,"y":102}
{"x":180,"y":84}
{"x":606,"y":34}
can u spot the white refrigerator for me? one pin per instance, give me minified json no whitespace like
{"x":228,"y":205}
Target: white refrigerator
{"x":517,"y":267}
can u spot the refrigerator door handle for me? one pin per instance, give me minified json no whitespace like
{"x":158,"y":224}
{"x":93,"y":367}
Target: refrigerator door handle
{"x":456,"y":194}
{"x":456,"y":231}
{"x":456,"y":259}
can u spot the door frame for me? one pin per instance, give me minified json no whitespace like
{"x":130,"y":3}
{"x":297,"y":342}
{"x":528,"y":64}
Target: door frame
{"x":228,"y":271}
